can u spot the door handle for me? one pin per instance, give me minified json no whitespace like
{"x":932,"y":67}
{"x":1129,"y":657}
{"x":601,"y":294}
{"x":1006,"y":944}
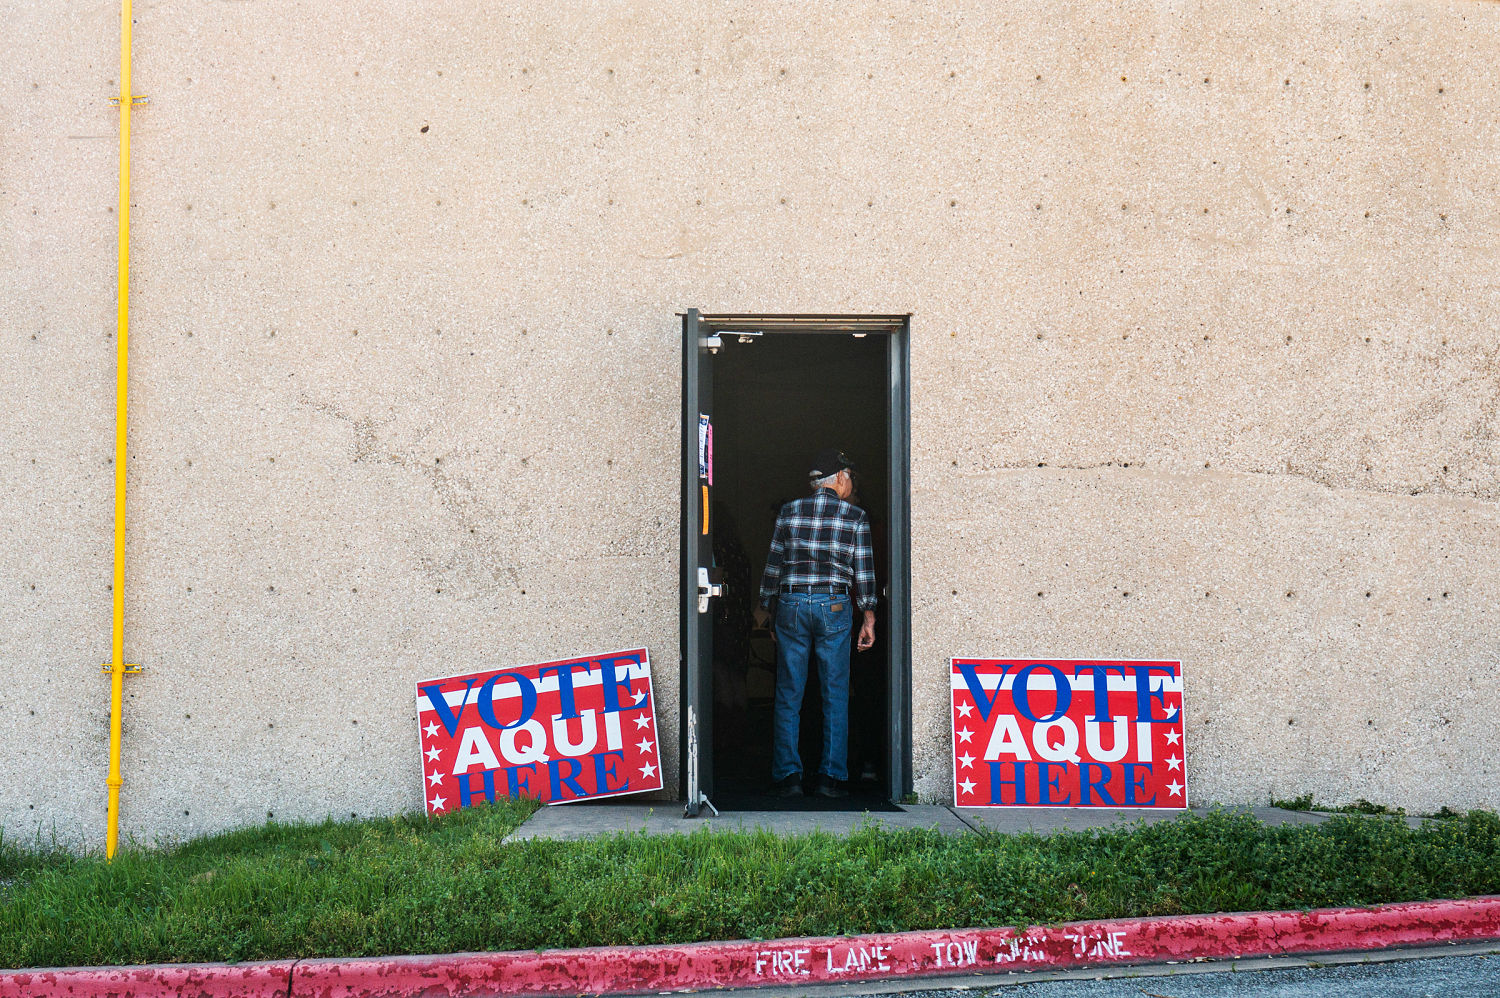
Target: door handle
{"x":706,"y":589}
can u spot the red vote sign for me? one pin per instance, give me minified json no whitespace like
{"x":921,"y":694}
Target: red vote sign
{"x":574,"y":729}
{"x":1061,"y":733}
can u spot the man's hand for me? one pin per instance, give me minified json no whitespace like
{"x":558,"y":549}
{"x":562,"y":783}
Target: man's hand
{"x":763,"y":619}
{"x":867,"y":632}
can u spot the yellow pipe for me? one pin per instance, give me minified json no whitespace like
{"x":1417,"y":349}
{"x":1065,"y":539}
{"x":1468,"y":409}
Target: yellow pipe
{"x":122,"y":336}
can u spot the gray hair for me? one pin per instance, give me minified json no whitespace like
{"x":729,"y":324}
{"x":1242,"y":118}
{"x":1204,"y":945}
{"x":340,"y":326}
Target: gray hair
{"x":819,"y":483}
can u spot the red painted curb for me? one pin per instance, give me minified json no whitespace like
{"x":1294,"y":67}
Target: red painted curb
{"x":628,"y":969}
{"x":895,"y":955}
{"x":166,"y":980}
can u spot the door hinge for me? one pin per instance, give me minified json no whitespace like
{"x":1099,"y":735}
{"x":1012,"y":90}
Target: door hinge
{"x":709,"y":585}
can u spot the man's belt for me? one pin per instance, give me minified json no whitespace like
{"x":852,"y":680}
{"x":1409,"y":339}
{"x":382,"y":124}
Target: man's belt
{"x":832,"y":590}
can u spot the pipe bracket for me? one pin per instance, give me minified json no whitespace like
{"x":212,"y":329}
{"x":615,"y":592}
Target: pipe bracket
{"x":108,"y":668}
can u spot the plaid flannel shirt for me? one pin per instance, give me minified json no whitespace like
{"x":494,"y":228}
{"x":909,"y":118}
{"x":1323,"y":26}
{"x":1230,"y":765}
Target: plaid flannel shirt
{"x":821,"y":540}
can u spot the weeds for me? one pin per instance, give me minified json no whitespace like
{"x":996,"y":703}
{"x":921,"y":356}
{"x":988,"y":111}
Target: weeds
{"x":1302,"y":802}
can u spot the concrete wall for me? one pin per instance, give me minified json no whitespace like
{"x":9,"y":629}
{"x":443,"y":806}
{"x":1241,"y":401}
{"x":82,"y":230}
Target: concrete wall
{"x":1205,"y":304}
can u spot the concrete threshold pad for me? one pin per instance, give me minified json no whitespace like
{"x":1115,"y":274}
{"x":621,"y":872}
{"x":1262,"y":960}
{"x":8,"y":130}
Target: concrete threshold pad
{"x":1043,"y":820}
{"x":795,"y":962}
{"x":580,"y":821}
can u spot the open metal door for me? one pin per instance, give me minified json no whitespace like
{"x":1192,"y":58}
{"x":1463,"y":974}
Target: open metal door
{"x":700,"y":580}
{"x":898,"y":591}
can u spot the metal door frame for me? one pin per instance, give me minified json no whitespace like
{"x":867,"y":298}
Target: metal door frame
{"x":694,"y":725}
{"x":695,"y":718}
{"x":898,"y":415}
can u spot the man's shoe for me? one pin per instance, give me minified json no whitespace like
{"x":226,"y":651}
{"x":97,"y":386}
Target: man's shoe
{"x":827,"y":786}
{"x":790,"y":786}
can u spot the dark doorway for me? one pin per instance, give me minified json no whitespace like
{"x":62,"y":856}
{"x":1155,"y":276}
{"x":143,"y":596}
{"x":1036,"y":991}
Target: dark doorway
{"x":780,"y":391}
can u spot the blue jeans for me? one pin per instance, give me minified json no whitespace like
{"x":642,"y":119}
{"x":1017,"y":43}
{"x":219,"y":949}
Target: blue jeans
{"x":812,"y":626}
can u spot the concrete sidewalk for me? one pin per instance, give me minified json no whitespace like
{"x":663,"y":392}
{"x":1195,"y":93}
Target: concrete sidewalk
{"x":577,"y":821}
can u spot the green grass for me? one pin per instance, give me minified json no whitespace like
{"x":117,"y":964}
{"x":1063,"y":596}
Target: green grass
{"x":414,"y":885}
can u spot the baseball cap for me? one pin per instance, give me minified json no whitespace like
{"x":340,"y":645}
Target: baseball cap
{"x":829,"y":462}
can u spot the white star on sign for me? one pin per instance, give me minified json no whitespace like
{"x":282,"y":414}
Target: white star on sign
{"x":648,"y":770}
{"x":431,"y":729}
{"x":434,"y":754}
{"x":964,"y":734}
{"x":966,"y":761}
{"x":964,"y":709}
{"x":1175,"y":788}
{"x":640,"y":698}
{"x":435,"y":778}
{"x":643,"y":721}
{"x":1172,"y":737}
{"x":1173,"y":762}
{"x":438,"y":803}
{"x":967,"y":786}
{"x":644,"y":745}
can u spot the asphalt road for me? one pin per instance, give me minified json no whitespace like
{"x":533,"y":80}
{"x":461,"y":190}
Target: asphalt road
{"x":1458,"y":976}
{"x":1467,"y":970}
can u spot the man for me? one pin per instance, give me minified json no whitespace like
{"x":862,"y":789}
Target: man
{"x":820,"y":567}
